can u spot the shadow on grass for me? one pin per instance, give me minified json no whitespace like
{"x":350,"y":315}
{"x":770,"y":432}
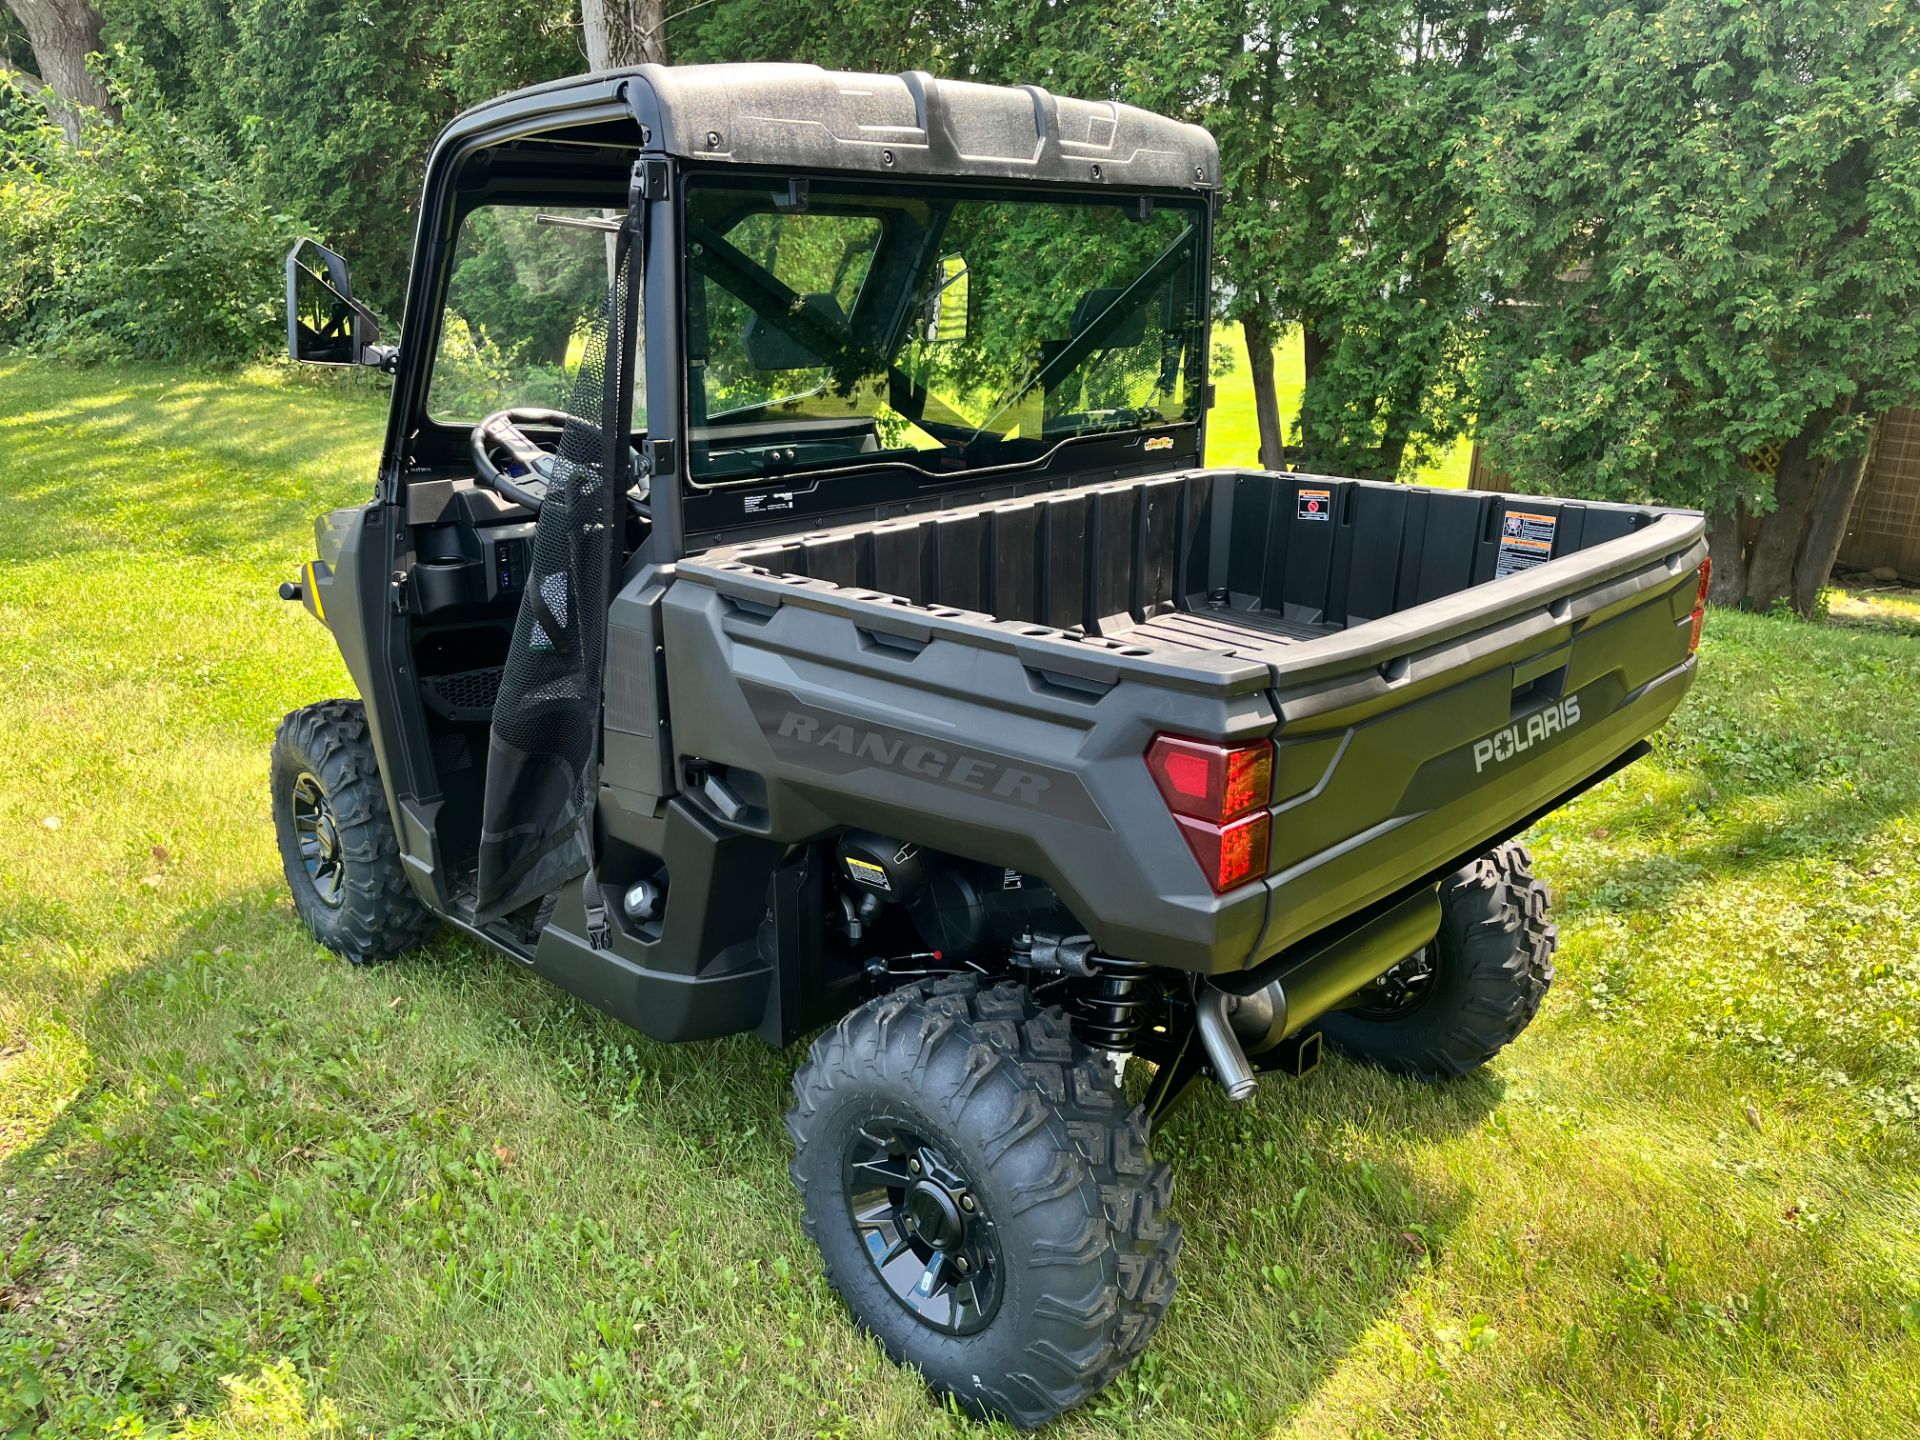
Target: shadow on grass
{"x":1302,"y":1226}
{"x":192,"y":465}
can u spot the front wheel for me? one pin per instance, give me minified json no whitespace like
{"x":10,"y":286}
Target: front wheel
{"x":1451,"y":1007}
{"x":337,"y":843}
{"x":982,"y":1196}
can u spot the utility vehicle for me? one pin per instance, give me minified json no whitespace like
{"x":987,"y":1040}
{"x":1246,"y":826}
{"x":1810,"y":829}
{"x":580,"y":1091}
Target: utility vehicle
{"x":793,"y":597}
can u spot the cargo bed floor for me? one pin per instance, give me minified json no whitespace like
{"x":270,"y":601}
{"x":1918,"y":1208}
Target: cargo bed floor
{"x":1220,"y":630}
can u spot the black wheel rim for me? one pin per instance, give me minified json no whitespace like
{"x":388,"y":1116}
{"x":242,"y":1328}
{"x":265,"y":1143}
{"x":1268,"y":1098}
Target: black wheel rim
{"x":923,"y":1227}
{"x":319,"y":840}
{"x":1401,"y":991}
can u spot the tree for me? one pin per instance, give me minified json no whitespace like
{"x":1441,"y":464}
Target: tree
{"x":63,"y":33}
{"x":1342,"y":131}
{"x":332,"y":108}
{"x":1221,"y":64}
{"x":1703,"y":219}
{"x":620,"y":33}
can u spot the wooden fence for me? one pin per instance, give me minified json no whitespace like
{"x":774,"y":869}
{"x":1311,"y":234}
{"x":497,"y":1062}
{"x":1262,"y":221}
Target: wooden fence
{"x":1884,"y":532}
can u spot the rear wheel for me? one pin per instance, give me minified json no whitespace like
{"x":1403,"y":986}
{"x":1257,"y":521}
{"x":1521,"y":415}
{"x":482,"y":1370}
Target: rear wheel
{"x":1453,"y":1005}
{"x":982,"y":1196}
{"x":337,"y":843}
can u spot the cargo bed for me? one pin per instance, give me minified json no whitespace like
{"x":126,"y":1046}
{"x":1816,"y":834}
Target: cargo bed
{"x":1432,"y":665}
{"x":1228,"y":562}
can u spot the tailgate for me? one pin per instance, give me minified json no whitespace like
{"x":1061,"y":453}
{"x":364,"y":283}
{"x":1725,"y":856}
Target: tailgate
{"x":1407,"y":742}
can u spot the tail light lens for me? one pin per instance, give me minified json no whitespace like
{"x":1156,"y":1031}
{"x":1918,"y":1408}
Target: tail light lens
{"x":1700,"y":604}
{"x":1218,"y":795}
{"x":1211,"y":782}
{"x":1229,"y":854}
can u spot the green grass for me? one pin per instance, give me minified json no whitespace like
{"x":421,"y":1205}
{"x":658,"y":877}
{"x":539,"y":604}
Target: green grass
{"x":247,"y":1190}
{"x":1892,"y":608}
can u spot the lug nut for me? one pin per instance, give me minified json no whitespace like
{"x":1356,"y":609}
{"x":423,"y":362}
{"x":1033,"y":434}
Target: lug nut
{"x":966,"y":1202}
{"x":960,"y":1264}
{"x":914,"y":1166}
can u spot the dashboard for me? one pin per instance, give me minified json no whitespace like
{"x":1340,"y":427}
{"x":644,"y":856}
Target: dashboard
{"x":473,"y":548}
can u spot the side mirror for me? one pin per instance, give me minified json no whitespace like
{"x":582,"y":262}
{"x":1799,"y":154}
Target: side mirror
{"x":325,"y":324}
{"x":945,"y":314}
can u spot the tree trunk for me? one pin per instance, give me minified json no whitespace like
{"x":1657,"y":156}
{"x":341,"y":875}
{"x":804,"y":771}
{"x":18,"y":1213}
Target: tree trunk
{"x":1727,"y":545}
{"x":1826,"y":527}
{"x":1393,"y":443}
{"x":1266,"y":399}
{"x":1308,"y":440}
{"x":1314,"y":348}
{"x":621,"y":33}
{"x":1787,"y":555}
{"x":1777,"y":542}
{"x":63,"y":34}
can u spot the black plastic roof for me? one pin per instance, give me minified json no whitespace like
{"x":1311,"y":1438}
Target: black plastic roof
{"x":804,"y":117}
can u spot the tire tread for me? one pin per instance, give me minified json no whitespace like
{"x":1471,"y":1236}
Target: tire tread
{"x":381,"y":916}
{"x":1494,"y":915}
{"x":1109,"y":1252}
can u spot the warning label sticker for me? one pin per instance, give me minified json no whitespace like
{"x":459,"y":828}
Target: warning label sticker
{"x":1526,"y":540}
{"x":866,"y":872}
{"x":1316,"y":504}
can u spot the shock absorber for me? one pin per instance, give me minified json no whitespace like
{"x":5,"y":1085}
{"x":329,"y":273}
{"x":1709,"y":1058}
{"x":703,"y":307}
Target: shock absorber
{"x":1115,"y":1005}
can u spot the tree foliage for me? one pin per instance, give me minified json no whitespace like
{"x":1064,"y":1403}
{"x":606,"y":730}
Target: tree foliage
{"x":332,"y":106}
{"x":1344,"y":133}
{"x":1649,"y":248}
{"x":140,"y":240}
{"x":1700,"y":223}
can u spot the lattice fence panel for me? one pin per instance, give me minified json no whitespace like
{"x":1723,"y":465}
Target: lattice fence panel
{"x":1885,"y":528}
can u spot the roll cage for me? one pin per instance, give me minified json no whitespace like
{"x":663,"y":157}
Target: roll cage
{"x":634,"y":138}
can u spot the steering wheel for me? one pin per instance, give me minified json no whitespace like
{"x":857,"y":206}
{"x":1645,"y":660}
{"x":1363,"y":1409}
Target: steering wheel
{"x":528,"y":467}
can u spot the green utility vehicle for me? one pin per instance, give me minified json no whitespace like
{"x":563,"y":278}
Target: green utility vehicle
{"x":792,"y":597}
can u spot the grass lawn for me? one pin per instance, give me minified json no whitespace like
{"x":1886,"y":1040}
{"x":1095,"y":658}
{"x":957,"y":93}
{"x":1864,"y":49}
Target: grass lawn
{"x":245,"y":1190}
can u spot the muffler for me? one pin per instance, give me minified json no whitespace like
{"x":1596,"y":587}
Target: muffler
{"x":1266,"y":1008}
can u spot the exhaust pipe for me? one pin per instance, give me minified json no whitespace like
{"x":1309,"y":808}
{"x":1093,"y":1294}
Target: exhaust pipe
{"x":1229,"y":1061}
{"x":1287,"y":994}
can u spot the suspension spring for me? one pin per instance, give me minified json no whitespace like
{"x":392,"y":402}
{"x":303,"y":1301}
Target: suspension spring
{"x":1115,"y":1007}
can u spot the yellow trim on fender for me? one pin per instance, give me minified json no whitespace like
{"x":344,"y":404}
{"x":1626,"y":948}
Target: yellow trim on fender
{"x":313,"y":593}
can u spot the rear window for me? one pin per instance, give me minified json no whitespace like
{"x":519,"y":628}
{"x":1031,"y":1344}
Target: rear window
{"x":842,"y":324}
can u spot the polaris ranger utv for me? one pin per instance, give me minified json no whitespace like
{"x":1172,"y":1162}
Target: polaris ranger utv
{"x":792,"y":597}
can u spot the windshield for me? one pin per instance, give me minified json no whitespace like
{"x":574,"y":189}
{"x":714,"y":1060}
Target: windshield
{"x":835,"y":323}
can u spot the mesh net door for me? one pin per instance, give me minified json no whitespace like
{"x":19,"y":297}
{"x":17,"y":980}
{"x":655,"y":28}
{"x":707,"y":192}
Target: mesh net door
{"x":536,"y":828}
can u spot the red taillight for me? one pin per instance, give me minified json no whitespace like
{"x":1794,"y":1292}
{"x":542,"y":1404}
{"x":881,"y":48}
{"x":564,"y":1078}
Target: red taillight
{"x":1700,"y":604}
{"x":1211,"y":782}
{"x":1218,"y":795}
{"x":1229,"y":854}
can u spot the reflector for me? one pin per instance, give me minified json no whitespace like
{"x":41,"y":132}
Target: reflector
{"x":1700,"y":604}
{"x":1230,"y":855}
